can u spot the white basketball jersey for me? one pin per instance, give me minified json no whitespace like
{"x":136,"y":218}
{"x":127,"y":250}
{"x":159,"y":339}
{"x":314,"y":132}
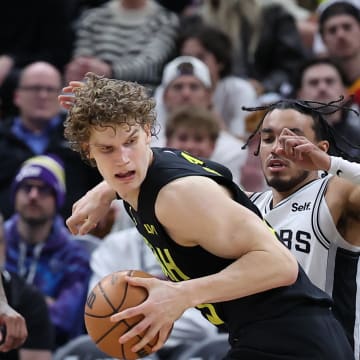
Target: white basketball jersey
{"x":304,"y":223}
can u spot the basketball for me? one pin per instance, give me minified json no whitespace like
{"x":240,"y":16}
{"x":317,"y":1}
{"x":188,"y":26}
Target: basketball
{"x":111,"y":295}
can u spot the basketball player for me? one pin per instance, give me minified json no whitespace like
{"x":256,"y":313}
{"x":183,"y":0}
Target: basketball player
{"x":211,"y":241}
{"x":316,"y":217}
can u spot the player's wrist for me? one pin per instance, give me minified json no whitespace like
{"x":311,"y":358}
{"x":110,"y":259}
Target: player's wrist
{"x":344,"y":169}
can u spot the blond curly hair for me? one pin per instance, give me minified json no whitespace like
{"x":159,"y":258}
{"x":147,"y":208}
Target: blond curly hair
{"x":103,"y":102}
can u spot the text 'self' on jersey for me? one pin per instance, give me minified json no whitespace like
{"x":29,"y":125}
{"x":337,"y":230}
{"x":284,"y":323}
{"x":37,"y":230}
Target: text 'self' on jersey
{"x":181,"y":263}
{"x":304,"y":223}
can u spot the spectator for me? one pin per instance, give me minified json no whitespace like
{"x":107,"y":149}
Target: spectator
{"x":340,"y":31}
{"x":194,"y":130}
{"x":39,"y":130}
{"x":304,"y":13}
{"x":31,"y":304}
{"x":322,"y":80}
{"x":267,"y":44}
{"x":31,"y":31}
{"x":113,"y":40}
{"x":186,"y":81}
{"x":41,"y":250}
{"x":214,"y":48}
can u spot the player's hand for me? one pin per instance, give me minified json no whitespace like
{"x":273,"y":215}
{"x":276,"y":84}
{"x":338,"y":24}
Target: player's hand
{"x":66,"y":99}
{"x":90,"y":209}
{"x":302,"y":151}
{"x":164,"y":305}
{"x":14,"y":328}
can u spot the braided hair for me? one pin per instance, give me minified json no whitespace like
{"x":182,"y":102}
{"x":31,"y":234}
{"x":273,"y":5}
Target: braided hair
{"x":339,"y":145}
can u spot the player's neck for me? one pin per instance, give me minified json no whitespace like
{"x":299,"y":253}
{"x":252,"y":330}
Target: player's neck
{"x":279,"y":196}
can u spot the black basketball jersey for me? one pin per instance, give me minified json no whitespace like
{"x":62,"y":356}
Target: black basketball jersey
{"x":181,"y":263}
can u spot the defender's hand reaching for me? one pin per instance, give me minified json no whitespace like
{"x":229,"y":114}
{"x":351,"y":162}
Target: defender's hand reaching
{"x":90,"y":209}
{"x":300,"y":150}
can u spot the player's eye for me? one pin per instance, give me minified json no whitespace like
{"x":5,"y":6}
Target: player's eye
{"x":267,"y":139}
{"x":105,"y":149}
{"x":131,"y":141}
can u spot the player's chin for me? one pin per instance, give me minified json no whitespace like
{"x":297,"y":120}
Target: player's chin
{"x":278,"y":183}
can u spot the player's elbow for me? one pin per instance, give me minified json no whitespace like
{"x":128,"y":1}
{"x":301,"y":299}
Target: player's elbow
{"x":289,"y":270}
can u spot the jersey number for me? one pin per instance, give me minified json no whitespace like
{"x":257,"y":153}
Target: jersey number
{"x":300,"y":241}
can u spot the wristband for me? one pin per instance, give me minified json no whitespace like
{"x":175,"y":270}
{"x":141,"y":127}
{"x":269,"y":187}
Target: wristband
{"x":345,"y":169}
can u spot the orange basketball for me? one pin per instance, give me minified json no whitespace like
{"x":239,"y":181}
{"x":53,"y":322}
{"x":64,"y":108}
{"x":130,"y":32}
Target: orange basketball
{"x":111,"y":295}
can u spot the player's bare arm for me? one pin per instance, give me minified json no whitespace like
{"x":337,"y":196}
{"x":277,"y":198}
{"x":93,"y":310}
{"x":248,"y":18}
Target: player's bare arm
{"x":14,"y":323}
{"x":89,"y":210}
{"x":236,"y":233}
{"x":343,"y":200}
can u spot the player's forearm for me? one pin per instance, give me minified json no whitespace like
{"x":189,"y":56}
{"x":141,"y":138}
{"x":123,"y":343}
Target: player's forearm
{"x":2,"y":291}
{"x":345,"y":169}
{"x":105,"y":191}
{"x":254,"y":272}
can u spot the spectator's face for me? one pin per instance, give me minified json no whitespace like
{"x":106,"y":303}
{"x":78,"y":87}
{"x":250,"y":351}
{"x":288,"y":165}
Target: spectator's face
{"x":341,"y":35}
{"x":321,"y":82}
{"x":193,"y":47}
{"x":35,"y":202}
{"x":36,"y":96}
{"x":195,"y":141}
{"x":280,"y":173}
{"x":186,"y":90}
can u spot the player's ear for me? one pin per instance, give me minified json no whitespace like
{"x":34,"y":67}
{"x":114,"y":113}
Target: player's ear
{"x":148,"y":133}
{"x":323,"y":145}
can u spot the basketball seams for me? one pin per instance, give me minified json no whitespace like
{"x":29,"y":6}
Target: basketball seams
{"x":106,"y":333}
{"x":107,"y":294}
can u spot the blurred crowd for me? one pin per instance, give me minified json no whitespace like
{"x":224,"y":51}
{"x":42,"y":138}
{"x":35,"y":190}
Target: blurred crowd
{"x":203,"y":61}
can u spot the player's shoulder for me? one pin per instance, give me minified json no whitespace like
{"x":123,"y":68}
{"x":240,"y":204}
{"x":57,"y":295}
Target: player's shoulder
{"x":185,"y":162}
{"x":339,"y":188}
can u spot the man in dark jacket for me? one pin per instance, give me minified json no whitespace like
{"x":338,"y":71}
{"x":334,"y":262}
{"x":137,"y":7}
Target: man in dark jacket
{"x":39,"y":130}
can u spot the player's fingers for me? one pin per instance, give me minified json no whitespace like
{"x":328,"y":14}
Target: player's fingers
{"x":303,"y":149}
{"x":74,"y":84}
{"x":66,"y":101}
{"x":87,"y":226}
{"x":138,"y":281}
{"x":80,"y":227}
{"x":288,"y":146}
{"x":15,"y":334}
{"x":130,"y":312}
{"x":139,"y":328}
{"x":67,"y":89}
{"x":149,"y":334}
{"x":66,"y":97}
{"x":73,"y":224}
{"x":163,"y":336}
{"x":286,"y":131}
